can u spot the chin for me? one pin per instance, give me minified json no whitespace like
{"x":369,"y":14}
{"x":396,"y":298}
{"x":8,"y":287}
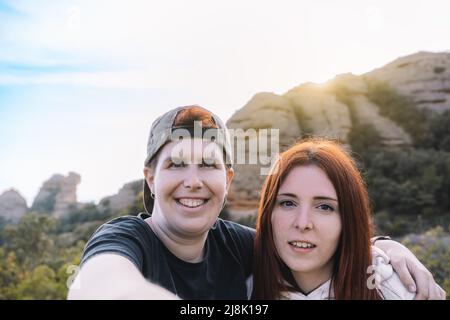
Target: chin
{"x":196,"y":225}
{"x":304,"y":269}
{"x":304,"y":266}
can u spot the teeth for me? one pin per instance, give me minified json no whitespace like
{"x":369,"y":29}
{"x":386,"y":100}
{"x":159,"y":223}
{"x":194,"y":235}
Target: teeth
{"x":191,"y":202}
{"x":300,"y":244}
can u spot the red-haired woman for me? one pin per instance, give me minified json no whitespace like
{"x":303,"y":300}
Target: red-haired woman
{"x":314,"y":228}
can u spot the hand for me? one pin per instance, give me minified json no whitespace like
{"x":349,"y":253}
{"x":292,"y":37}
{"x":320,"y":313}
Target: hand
{"x":411,"y":271}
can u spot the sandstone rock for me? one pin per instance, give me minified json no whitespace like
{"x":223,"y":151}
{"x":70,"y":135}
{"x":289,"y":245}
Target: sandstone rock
{"x":424,"y":76}
{"x":57,"y":195}
{"x":368,"y":113}
{"x":123,"y":199}
{"x":267,"y":110}
{"x":319,"y":112}
{"x":12,"y":206}
{"x":351,"y":83}
{"x":263,"y":111}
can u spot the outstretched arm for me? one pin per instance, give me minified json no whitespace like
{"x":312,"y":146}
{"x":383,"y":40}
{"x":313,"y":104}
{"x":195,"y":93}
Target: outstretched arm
{"x":112,"y":277}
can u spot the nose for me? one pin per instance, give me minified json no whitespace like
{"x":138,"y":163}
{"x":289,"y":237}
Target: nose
{"x":192,"y":179}
{"x":303,"y":221}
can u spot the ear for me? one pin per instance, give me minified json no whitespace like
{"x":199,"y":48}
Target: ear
{"x":150,"y":178}
{"x":230,"y":175}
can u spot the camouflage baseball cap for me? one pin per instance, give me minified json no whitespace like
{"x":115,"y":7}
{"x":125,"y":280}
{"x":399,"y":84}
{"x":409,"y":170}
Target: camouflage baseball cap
{"x":163,"y":131}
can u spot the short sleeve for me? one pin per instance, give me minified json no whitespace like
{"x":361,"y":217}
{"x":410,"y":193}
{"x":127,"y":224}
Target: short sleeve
{"x":122,"y":236}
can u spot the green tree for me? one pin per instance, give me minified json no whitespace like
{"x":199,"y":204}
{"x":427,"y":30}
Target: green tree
{"x":10,"y":274}
{"x":31,"y":239}
{"x":41,"y":283}
{"x":439,"y":131}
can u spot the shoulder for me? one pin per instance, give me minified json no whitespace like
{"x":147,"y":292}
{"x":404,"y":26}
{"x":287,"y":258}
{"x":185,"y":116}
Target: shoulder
{"x":387,"y":280}
{"x":128,"y":236}
{"x":132,"y":225}
{"x":232,"y":229}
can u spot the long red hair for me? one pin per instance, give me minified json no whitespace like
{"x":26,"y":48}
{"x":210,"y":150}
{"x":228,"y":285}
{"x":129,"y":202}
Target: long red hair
{"x":353,"y":254}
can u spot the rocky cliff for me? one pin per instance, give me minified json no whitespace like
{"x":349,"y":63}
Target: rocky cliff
{"x":333,"y":109}
{"x":423,"y":76}
{"x":57,"y":195}
{"x":123,"y":199}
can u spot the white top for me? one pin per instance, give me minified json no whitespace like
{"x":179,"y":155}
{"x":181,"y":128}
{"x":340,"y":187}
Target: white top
{"x":380,"y":275}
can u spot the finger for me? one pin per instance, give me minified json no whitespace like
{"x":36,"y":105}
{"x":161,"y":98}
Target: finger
{"x":435,"y":293}
{"x":444,"y":294}
{"x":439,"y":292}
{"x":422,"y":292}
{"x":424,"y":283}
{"x":404,"y":275}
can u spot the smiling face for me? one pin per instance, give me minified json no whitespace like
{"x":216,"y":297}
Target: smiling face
{"x":190,"y":182}
{"x":306,"y":222}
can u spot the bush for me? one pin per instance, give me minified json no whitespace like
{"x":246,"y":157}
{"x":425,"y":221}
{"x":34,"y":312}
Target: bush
{"x":34,"y":260}
{"x":42,"y":283}
{"x":433,"y":249}
{"x":438,"y":136}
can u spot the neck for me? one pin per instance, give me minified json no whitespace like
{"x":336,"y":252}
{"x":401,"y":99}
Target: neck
{"x":311,"y":280}
{"x":189,"y":249}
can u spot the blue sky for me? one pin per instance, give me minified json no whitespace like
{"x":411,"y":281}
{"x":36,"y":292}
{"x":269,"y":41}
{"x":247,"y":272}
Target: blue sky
{"x":81,"y":81}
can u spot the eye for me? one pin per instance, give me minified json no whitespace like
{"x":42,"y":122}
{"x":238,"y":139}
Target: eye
{"x":177,"y":165}
{"x":208,"y":164}
{"x":326,"y":207}
{"x":287,"y":204}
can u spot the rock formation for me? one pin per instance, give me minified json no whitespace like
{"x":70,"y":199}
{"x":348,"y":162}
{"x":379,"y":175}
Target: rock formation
{"x":57,"y":195}
{"x":423,"y":76}
{"x":332,"y":109}
{"x":12,"y":206}
{"x":123,"y":199}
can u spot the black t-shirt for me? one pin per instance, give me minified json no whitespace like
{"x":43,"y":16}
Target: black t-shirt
{"x":221,"y":275}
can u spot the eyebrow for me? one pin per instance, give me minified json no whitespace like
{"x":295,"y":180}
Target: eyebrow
{"x":169,"y":159}
{"x":315,"y":198}
{"x":287,"y":195}
{"x":215,"y":160}
{"x":325,"y":198}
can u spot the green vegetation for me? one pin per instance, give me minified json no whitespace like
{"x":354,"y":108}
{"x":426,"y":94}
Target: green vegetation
{"x":399,"y":109}
{"x":47,"y":205}
{"x":33,"y":263}
{"x":433,"y":248}
{"x":409,"y":182}
{"x":409,"y":186}
{"x":438,"y":135}
{"x":39,"y":255}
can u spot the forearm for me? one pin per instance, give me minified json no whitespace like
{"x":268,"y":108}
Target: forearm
{"x":117,"y":290}
{"x":111,"y":277}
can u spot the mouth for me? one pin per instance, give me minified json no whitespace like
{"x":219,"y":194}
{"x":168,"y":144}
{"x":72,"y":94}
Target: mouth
{"x":303,"y":246}
{"x":191,"y":203}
